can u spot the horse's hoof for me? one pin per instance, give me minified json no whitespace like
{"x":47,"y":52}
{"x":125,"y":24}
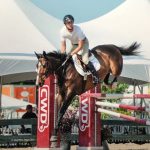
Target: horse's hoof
{"x":53,"y":141}
{"x":114,"y":85}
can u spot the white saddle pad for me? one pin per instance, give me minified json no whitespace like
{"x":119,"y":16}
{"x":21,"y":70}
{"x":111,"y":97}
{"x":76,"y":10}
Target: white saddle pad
{"x":79,"y":68}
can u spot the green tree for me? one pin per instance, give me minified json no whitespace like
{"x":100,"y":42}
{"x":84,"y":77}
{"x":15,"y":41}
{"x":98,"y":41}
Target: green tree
{"x":120,"y":89}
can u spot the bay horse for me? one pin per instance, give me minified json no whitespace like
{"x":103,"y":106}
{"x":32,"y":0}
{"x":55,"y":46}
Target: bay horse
{"x":70,"y":82}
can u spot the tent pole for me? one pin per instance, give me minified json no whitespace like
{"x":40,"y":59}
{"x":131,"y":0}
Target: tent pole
{"x":0,"y":96}
{"x":142,"y":99}
{"x":37,"y":98}
{"x":134,"y":89}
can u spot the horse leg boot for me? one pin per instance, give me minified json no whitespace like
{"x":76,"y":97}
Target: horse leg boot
{"x":94,"y":73}
{"x":54,"y":137}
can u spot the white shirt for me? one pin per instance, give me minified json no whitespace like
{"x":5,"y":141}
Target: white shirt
{"x":74,"y":36}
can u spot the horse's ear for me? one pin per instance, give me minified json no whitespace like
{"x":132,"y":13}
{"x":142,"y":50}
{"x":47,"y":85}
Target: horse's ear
{"x":45,"y":55}
{"x":37,"y":55}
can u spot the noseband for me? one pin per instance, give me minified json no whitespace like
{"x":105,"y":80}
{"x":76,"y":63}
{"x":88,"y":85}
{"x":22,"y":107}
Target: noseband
{"x":45,"y":73}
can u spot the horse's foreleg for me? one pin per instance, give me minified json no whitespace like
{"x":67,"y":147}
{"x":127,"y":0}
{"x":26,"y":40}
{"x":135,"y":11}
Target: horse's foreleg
{"x":63,"y":108}
{"x":62,"y":112}
{"x":54,"y":137}
{"x":59,"y":100}
{"x":60,"y":116}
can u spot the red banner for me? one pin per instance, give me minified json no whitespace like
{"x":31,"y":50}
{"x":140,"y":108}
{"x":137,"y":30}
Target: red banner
{"x":46,"y":113}
{"x":89,"y":122}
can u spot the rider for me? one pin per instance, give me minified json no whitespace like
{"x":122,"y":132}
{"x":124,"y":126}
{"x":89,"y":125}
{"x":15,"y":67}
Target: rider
{"x":79,"y":43}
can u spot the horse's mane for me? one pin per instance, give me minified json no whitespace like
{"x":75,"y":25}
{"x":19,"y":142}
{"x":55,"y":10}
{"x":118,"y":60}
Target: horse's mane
{"x":57,"y":55}
{"x":60,"y":56}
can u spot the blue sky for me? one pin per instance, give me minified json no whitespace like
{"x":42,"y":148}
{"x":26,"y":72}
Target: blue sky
{"x":82,"y":10}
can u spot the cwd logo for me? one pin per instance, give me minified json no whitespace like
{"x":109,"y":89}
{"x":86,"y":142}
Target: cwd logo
{"x":84,"y":114}
{"x":44,"y":103}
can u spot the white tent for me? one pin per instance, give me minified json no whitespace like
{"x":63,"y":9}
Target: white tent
{"x":26,"y":28}
{"x":9,"y":105}
{"x":19,"y":39}
{"x":13,"y":103}
{"x":123,"y":26}
{"x":18,"y":33}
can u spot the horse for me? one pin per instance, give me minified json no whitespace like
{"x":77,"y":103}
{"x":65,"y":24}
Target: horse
{"x":70,"y":82}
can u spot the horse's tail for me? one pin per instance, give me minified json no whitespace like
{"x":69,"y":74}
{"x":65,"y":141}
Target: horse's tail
{"x":131,"y":50}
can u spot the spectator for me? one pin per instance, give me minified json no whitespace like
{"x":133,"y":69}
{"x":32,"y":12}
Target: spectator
{"x":29,"y":114}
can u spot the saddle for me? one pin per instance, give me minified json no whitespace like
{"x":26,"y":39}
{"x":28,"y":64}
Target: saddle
{"x":81,"y":68}
{"x":84,"y":67}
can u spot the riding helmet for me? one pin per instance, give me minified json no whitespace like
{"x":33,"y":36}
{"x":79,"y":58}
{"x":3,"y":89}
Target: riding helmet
{"x":68,"y":18}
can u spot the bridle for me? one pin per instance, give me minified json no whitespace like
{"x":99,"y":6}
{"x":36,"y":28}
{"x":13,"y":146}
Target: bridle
{"x":42,"y":70}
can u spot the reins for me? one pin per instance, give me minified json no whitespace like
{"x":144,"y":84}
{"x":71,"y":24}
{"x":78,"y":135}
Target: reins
{"x":62,"y":64}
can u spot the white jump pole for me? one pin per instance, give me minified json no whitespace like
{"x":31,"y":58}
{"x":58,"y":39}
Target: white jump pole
{"x":117,"y":96}
{"x":119,"y":115}
{"x":124,"y":106}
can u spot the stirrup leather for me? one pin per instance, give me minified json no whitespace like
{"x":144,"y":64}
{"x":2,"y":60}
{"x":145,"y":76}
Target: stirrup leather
{"x":94,"y":73}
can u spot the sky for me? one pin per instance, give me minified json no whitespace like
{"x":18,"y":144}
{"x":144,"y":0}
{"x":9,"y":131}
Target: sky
{"x":82,"y":10}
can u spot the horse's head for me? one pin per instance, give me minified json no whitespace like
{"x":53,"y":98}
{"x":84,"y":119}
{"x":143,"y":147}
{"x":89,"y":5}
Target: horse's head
{"x":47,"y":64}
{"x":43,"y":69}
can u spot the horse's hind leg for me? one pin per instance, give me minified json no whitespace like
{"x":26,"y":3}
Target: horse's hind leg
{"x":111,"y":84}
{"x":114,"y":80}
{"x":106,"y":80}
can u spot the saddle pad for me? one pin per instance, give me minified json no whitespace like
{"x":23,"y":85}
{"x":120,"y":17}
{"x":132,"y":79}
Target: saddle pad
{"x":79,"y":68}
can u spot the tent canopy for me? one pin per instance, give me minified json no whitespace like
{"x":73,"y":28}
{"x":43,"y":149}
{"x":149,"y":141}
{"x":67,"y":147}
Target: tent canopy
{"x":11,"y":103}
{"x":18,"y":33}
{"x":26,"y":27}
{"x":19,"y":39}
{"x":17,"y":68}
{"x":123,"y":26}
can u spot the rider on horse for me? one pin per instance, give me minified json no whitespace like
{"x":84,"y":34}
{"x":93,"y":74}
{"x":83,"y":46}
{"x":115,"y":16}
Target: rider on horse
{"x":80,"y":44}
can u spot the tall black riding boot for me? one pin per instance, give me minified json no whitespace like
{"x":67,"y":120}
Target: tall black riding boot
{"x":94,"y":73}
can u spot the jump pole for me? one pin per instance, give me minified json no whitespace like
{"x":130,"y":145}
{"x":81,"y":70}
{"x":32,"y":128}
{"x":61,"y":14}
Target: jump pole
{"x":124,"y":106}
{"x":89,"y":123}
{"x":127,"y":117}
{"x":117,"y":96}
{"x":46,"y":114}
